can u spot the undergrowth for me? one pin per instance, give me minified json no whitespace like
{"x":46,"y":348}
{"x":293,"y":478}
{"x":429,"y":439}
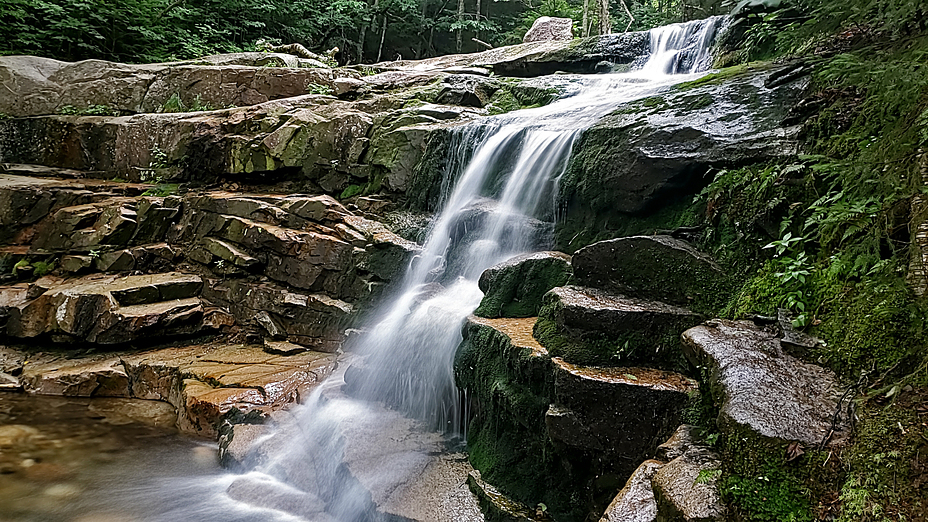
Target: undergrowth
{"x":828,"y":237}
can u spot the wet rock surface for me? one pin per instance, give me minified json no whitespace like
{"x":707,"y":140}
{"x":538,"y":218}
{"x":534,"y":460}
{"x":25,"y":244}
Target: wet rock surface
{"x":635,"y":502}
{"x":682,"y":495}
{"x":205,"y":383}
{"x":515,"y":288}
{"x":652,"y":267}
{"x":621,"y":414}
{"x":764,"y":392}
{"x":590,"y":326}
{"x":647,"y":153}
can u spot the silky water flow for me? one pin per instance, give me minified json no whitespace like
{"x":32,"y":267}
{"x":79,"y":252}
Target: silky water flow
{"x":362,"y":438}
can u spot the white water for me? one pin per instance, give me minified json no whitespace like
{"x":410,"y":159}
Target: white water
{"x":501,"y":205}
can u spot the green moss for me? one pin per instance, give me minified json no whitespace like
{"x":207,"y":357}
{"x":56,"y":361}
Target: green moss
{"x":517,"y":291}
{"x":350,"y":191}
{"x":721,"y":76}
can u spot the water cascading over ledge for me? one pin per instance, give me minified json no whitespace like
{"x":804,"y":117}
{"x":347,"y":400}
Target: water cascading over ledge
{"x":501,"y":205}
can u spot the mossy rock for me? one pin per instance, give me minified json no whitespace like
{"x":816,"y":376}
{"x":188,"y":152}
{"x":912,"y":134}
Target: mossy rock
{"x":592,"y":327}
{"x":515,"y":288}
{"x":654,"y":267}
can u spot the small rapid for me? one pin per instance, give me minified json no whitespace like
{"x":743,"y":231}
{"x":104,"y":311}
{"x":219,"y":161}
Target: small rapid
{"x":343,"y":454}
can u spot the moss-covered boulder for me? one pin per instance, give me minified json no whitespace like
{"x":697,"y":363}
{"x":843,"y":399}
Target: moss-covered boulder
{"x":650,"y":153}
{"x":654,"y":267}
{"x":593,"y":327}
{"x":515,"y":288}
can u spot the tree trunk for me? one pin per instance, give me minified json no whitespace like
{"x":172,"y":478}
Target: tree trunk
{"x":460,"y":35}
{"x":477,"y":35}
{"x":585,"y":31}
{"x":605,"y":23}
{"x":383,"y":33}
{"x":631,"y":19}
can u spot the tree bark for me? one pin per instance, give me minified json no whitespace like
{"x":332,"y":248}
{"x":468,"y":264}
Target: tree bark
{"x":631,"y":19}
{"x":383,"y":33}
{"x":585,"y":31}
{"x":460,"y":36}
{"x":605,"y":23}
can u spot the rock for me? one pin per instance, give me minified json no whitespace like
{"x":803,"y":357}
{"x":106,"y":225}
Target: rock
{"x":235,"y":445}
{"x":310,"y":320}
{"x":635,"y":502}
{"x":650,"y":152}
{"x":678,"y":443}
{"x":762,"y":391}
{"x":515,"y":288}
{"x":682,"y":495}
{"x":40,"y":86}
{"x":109,"y":310}
{"x":92,"y":377}
{"x":282,"y":348}
{"x":347,"y":85}
{"x":229,"y":253}
{"x":497,"y":505}
{"x":264,"y":492}
{"x":600,"y":410}
{"x":76,"y":264}
{"x":466,"y":90}
{"x":592,"y":327}
{"x":548,"y":28}
{"x":653,"y":267}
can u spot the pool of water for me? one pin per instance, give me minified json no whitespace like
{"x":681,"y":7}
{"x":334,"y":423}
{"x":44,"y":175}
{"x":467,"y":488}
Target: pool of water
{"x":68,"y":459}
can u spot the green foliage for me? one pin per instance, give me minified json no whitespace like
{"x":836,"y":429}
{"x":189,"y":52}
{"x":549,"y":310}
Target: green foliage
{"x":91,"y":110}
{"x":21,"y":264}
{"x":315,"y":88}
{"x":40,"y":268}
{"x":175,"y":104}
{"x":162,"y":190}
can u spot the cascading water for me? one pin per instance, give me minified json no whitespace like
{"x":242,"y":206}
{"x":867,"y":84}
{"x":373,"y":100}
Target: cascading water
{"x":501,"y":205}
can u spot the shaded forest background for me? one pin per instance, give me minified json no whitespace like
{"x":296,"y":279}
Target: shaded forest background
{"x":364,"y":30}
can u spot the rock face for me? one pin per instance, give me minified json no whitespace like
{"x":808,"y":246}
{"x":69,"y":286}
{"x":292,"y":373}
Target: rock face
{"x":682,"y":495}
{"x":204,"y":383}
{"x":635,"y":502}
{"x":763,"y":392}
{"x":548,"y":28}
{"x":645,"y":154}
{"x":514,"y":288}
{"x":590,"y":326}
{"x":653,"y":267}
{"x":537,"y":416}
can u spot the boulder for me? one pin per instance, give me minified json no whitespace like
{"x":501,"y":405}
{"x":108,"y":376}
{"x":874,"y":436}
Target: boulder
{"x":515,"y":287}
{"x":600,"y":411}
{"x":635,"y":502}
{"x":653,"y":267}
{"x":593,"y":327}
{"x":648,"y":153}
{"x":80,"y":377}
{"x":683,"y":495}
{"x":763,"y":393}
{"x":547,"y":28}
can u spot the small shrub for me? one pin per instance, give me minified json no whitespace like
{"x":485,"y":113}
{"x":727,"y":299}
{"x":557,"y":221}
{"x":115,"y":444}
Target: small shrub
{"x":315,"y":88}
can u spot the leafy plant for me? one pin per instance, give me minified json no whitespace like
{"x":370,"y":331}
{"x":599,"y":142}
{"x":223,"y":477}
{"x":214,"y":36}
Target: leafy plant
{"x":40,"y":268}
{"x":315,"y":88}
{"x":21,"y":264}
{"x":92,"y":110}
{"x":175,"y":104}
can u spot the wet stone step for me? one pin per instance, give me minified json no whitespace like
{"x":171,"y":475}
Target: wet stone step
{"x":593,"y":327}
{"x":620,"y":414}
{"x":653,"y":267}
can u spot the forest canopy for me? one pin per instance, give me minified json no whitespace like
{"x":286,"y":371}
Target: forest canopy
{"x":364,"y":30}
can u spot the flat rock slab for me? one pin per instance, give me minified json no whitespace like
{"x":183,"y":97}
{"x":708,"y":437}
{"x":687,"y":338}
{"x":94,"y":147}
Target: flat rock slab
{"x":602,"y":410}
{"x":203,"y":382}
{"x":681,"y":497}
{"x":763,"y":391}
{"x":515,"y":287}
{"x":594,"y":327}
{"x":652,"y":267}
{"x":107,"y":309}
{"x":635,"y":502}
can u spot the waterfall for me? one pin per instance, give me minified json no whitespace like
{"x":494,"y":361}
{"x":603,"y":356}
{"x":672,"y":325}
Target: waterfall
{"x":500,"y":204}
